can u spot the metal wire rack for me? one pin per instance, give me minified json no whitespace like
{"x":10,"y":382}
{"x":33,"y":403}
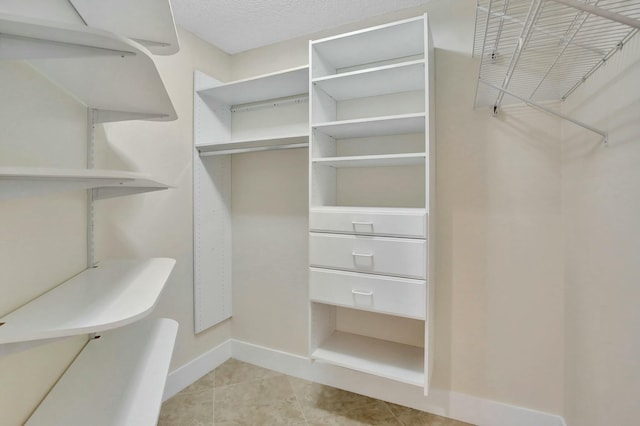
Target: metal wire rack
{"x":540,"y":50}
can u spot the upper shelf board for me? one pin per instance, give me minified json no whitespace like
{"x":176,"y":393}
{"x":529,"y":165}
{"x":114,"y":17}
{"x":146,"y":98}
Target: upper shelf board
{"x":117,"y":380}
{"x":401,"y":77}
{"x":277,"y":85}
{"x":19,"y":182}
{"x":149,"y":22}
{"x":102,"y":70}
{"x":385,"y":42}
{"x":249,"y":145}
{"x":110,"y":295}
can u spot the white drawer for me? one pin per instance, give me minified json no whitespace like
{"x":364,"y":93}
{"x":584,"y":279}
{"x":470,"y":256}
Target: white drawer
{"x":378,"y":255}
{"x":370,"y":221}
{"x":387,"y":295}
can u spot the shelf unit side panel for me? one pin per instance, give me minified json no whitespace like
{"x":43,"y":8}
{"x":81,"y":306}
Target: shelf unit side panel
{"x":212,"y":240}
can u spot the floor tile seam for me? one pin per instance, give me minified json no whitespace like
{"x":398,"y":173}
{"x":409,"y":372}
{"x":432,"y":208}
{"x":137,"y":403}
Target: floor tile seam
{"x":295,"y":395}
{"x":386,"y":404}
{"x":248,"y":381}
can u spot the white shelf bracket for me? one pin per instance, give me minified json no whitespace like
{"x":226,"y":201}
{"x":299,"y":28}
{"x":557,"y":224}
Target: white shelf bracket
{"x":542,"y":108}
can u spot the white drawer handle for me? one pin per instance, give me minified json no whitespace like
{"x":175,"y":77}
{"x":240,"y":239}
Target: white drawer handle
{"x":362,"y":293}
{"x":354,"y":254}
{"x":362,"y":223}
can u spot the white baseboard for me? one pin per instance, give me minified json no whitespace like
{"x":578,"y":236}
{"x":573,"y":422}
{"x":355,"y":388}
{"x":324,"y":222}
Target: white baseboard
{"x":478,"y":411}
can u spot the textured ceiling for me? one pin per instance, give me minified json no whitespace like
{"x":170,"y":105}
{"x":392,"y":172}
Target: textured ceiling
{"x":238,"y":25}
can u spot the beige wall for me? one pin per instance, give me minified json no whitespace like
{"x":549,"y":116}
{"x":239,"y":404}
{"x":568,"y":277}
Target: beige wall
{"x":161,"y":223}
{"x":601,"y":202}
{"x":499,"y":294}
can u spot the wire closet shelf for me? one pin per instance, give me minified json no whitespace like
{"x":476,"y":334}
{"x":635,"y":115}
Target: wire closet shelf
{"x":534,"y":51}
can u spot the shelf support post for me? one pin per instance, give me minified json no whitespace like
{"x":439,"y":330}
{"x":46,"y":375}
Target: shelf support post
{"x":91,"y":119}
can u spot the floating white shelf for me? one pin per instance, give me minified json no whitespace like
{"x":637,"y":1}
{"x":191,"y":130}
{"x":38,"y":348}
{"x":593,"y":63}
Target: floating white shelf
{"x":385,"y":42}
{"x":110,"y":295}
{"x":360,"y":209}
{"x":376,"y":126}
{"x":17,"y":182}
{"x":149,"y":22}
{"x":249,"y":145}
{"x":395,"y":361}
{"x":402,"y":77}
{"x":277,"y":85}
{"x":106,"y":72}
{"x":117,"y":380}
{"x":387,"y":160}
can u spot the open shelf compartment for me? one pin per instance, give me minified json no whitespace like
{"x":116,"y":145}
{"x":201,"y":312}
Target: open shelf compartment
{"x":110,"y":295}
{"x":104,"y":71}
{"x":117,"y":380}
{"x":388,"y":160}
{"x":376,"y":126}
{"x":383,"y":358}
{"x":18,"y":182}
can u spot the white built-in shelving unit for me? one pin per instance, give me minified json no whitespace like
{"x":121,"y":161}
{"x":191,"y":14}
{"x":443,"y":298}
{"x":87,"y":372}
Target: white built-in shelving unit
{"x":119,"y":376}
{"x":370,"y":249}
{"x":268,"y":112}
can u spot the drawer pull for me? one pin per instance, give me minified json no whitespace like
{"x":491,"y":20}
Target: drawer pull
{"x":356,"y":224}
{"x":362,"y":293}
{"x":354,"y":254}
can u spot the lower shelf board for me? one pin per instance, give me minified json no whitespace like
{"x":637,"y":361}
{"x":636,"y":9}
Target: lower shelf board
{"x":391,"y":360}
{"x":116,"y":380}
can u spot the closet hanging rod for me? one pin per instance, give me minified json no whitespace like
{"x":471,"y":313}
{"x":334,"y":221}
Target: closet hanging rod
{"x":547,"y":110}
{"x":635,"y":23}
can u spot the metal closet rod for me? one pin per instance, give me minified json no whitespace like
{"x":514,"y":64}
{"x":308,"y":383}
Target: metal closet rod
{"x":601,"y":12}
{"x":547,"y":110}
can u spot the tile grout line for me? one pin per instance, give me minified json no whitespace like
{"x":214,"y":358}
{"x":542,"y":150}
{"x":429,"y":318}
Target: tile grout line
{"x":386,"y":404}
{"x":213,"y":400}
{"x":295,"y":395}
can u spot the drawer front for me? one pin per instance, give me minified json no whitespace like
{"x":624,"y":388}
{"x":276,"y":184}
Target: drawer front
{"x":387,"y":295}
{"x":377,"y":255}
{"x":400,"y":224}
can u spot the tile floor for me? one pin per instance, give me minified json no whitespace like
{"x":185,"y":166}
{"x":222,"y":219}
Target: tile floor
{"x":237,"y":393}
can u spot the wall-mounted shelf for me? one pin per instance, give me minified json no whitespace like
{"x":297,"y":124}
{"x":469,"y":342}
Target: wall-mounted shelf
{"x":388,"y":160}
{"x":251,"y":145}
{"x":542,"y":50}
{"x":106,"y":72}
{"x":18,"y":182}
{"x":113,"y":294}
{"x":282,"y":84}
{"x":376,"y":126}
{"x":148,"y":22}
{"x":117,"y":380}
{"x":383,"y":358}
{"x":383,"y":80}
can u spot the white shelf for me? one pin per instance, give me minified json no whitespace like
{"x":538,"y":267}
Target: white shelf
{"x":395,"y":361}
{"x":387,"y":160}
{"x":399,"y":39}
{"x":117,"y":380}
{"x":113,"y":294}
{"x":249,"y":145}
{"x":17,"y":182}
{"x":104,"y":71}
{"x":376,"y":126}
{"x":402,"y":77}
{"x":149,"y":22}
{"x":277,"y":85}
{"x":360,"y":209}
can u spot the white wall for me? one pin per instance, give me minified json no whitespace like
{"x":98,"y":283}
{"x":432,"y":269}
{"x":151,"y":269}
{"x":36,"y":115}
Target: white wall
{"x":499,"y":294}
{"x":601,"y":202}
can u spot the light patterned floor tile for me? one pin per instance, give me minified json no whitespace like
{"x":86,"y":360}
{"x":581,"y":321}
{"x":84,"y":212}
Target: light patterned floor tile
{"x":189,"y":409}
{"x":264,"y":402}
{"x":234,"y":371}
{"x":411,"y":417}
